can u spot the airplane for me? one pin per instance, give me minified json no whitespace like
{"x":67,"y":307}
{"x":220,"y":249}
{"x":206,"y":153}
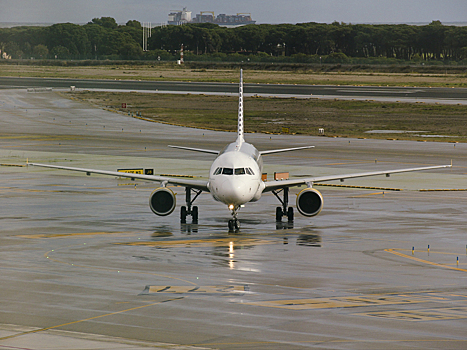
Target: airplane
{"x":235,"y":179}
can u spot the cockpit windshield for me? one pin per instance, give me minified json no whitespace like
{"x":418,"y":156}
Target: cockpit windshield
{"x":236,"y":171}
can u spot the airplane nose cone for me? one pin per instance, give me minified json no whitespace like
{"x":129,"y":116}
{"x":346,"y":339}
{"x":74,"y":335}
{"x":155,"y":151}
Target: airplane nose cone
{"x":235,"y":192}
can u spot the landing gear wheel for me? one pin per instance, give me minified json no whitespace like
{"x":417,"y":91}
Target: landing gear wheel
{"x":278,"y":214}
{"x":231,"y":225}
{"x":290,"y":214}
{"x":183,"y":214}
{"x":234,"y":225}
{"x":194,"y":215}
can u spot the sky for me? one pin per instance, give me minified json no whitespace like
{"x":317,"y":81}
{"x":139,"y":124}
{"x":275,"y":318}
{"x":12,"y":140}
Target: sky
{"x":263,"y":11}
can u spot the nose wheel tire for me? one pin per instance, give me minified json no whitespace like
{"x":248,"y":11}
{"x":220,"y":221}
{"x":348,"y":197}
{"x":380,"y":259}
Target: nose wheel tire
{"x":233,"y":225}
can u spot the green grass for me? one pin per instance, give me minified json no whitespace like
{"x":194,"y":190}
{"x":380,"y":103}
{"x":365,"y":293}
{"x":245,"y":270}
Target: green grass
{"x":302,"y":116}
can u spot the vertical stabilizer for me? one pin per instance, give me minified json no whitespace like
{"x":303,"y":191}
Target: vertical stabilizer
{"x":240,"y":110}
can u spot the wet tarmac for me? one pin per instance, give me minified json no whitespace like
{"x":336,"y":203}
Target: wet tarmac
{"x":85,"y":264}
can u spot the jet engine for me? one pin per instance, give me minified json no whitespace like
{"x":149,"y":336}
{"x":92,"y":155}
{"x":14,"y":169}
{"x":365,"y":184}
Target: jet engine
{"x":162,"y":201}
{"x":309,"y":202}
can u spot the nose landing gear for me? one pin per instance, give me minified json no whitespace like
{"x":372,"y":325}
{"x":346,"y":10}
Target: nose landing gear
{"x":234,"y":224}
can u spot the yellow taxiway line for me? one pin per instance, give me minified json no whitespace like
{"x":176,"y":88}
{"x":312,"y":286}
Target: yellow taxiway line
{"x":395,"y":252}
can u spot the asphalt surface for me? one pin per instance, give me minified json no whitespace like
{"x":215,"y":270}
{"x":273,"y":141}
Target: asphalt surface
{"x":86,"y":265}
{"x":443,"y":95}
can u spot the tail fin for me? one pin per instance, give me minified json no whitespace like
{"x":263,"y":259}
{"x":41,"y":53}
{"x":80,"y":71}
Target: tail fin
{"x":240,"y":110}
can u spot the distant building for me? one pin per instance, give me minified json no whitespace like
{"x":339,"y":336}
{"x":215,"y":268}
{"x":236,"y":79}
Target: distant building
{"x":179,"y":17}
{"x":184,"y":16}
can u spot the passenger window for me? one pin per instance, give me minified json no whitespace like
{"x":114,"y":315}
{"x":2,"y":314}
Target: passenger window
{"x":218,"y":171}
{"x":227,"y":171}
{"x":240,"y":171}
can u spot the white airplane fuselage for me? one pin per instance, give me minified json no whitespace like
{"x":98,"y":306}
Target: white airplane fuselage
{"x":235,"y":175}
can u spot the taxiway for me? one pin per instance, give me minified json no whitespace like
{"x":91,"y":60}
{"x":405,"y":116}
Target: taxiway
{"x":85,"y":263}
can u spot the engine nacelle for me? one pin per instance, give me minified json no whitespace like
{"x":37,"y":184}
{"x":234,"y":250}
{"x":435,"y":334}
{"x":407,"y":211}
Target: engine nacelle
{"x":162,"y":201}
{"x":309,"y":202}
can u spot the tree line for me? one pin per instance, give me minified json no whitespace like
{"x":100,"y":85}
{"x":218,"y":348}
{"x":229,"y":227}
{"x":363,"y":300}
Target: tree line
{"x":103,"y":38}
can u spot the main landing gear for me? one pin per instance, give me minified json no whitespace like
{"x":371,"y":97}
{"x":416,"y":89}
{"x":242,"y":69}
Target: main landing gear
{"x":189,"y":209}
{"x":285,"y":210}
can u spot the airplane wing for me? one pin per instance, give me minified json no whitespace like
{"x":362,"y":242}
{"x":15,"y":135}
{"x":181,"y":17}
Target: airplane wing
{"x":197,"y":184}
{"x":274,"y":185}
{"x":284,"y":150}
{"x":196,"y":149}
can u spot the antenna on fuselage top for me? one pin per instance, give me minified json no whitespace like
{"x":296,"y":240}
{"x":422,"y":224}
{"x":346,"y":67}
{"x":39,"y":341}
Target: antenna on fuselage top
{"x":240,"y":110}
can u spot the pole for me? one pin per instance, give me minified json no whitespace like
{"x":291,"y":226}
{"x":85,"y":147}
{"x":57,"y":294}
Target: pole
{"x":143,"y":38}
{"x":181,"y":55}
